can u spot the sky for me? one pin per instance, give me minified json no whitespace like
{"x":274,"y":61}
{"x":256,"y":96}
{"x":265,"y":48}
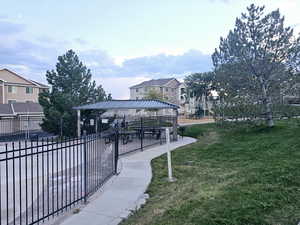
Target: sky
{"x":123,"y":42}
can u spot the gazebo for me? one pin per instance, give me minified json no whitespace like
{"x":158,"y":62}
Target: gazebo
{"x":126,"y":105}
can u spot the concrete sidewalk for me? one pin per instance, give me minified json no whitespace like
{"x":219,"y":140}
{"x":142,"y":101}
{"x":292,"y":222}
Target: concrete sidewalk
{"x":124,"y":193}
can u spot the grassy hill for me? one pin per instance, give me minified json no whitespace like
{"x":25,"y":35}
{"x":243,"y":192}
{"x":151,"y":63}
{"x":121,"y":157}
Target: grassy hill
{"x":230,"y":176}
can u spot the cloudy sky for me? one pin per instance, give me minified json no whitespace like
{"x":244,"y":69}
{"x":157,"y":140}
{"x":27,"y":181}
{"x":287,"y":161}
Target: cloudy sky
{"x":123,"y":42}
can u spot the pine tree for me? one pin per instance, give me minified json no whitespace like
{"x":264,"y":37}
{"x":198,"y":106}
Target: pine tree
{"x":71,"y":86}
{"x":261,"y":49}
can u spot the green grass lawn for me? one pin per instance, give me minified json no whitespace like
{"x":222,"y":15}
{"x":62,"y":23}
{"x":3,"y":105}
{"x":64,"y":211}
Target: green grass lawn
{"x":232,"y":177}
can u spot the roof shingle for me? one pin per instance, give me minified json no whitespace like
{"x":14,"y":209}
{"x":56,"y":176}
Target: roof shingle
{"x":5,"y":109}
{"x":20,"y":108}
{"x":157,"y":82}
{"x":129,"y":104}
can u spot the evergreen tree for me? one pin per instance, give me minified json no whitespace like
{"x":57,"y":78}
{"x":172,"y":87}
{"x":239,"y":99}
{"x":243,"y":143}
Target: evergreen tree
{"x":71,"y":86}
{"x":261,"y":49}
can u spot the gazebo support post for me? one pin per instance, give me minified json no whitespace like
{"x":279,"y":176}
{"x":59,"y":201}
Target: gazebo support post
{"x":175,"y":124}
{"x":78,"y":124}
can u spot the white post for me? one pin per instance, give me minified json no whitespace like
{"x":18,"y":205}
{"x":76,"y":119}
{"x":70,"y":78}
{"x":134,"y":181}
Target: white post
{"x":171,"y":179}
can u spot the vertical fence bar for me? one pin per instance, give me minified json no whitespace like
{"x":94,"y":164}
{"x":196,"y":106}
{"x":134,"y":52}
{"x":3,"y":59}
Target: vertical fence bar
{"x":14,"y":183}
{"x":6,"y":171}
{"x":62,"y":174}
{"x":66,"y":174}
{"x":43,"y":181}
{"x":52,"y":170}
{"x":57,"y":185}
{"x":0,"y":195}
{"x":38,"y":181}
{"x":73,"y":168}
{"x":26,"y":182}
{"x":52,"y":174}
{"x":142,"y":133}
{"x":85,"y":167}
{"x":31,"y":167}
{"x":48,"y":178}
{"x":77,"y":168}
{"x":116,"y":150}
{"x":20,"y":182}
{"x":81,"y":168}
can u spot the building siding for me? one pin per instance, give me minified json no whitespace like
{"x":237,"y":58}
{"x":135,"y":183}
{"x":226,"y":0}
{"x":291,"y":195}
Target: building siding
{"x":10,"y":77}
{"x":171,"y":92}
{"x":20,"y":84}
{"x":21,"y":95}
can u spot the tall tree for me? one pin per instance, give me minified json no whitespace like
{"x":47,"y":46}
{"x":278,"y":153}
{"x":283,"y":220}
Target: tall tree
{"x":261,"y":48}
{"x":71,"y":86}
{"x":200,"y":85}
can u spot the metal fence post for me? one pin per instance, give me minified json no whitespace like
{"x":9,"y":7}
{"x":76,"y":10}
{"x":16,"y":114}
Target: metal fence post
{"x":85,"y":167}
{"x":116,"y":151}
{"x":142,"y":133}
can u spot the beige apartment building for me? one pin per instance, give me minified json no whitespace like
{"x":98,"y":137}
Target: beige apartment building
{"x":16,"y":89}
{"x":168,"y":88}
{"x":172,"y":91}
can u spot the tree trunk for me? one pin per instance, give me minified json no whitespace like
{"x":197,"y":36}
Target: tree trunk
{"x":267,"y":102}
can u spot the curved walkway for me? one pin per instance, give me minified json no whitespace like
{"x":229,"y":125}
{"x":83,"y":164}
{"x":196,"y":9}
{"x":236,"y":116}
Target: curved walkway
{"x":124,"y":193}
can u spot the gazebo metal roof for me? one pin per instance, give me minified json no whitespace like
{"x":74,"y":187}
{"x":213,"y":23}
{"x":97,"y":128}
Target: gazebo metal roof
{"x":129,"y":104}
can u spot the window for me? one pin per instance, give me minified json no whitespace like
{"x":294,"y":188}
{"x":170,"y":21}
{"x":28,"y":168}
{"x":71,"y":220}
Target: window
{"x":12,"y":89}
{"x":137,"y":90}
{"x":11,"y":101}
{"x":182,"y":91}
{"x":146,"y":89}
{"x":137,"y":98}
{"x":167,"y":89}
{"x":173,"y":89}
{"x":42,"y":90}
{"x":161,"y":89}
{"x":29,"y":90}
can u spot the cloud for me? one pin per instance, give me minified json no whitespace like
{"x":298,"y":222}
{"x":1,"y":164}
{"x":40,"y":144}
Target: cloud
{"x":32,"y":58}
{"x":9,"y":28}
{"x":119,"y":86}
{"x":166,"y":65}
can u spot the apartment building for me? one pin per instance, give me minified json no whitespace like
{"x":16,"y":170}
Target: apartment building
{"x":172,"y":91}
{"x":17,"y":89}
{"x":168,"y":88}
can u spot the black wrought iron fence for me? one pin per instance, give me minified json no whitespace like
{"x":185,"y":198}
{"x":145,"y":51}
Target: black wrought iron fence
{"x":20,"y":128}
{"x":44,"y":178}
{"x":140,"y":133}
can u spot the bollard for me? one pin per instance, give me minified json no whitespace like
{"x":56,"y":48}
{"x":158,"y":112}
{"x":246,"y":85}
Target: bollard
{"x":170,"y":174}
